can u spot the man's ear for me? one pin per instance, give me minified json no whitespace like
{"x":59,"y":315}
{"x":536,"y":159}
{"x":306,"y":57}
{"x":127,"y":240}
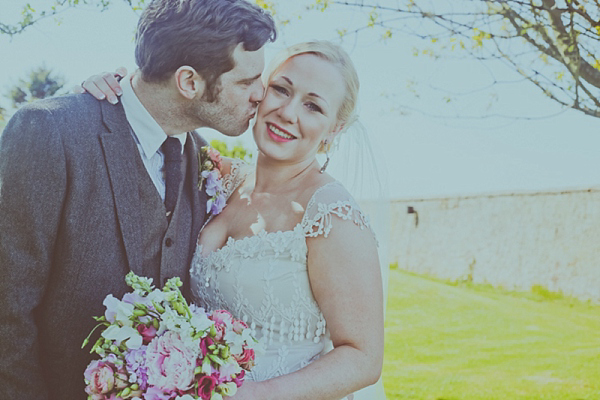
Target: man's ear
{"x":189,"y":82}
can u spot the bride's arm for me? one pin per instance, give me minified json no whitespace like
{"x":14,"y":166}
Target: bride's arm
{"x":346,"y":281}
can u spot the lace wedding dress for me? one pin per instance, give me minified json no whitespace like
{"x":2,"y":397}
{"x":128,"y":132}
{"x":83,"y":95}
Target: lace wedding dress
{"x":263,"y":280}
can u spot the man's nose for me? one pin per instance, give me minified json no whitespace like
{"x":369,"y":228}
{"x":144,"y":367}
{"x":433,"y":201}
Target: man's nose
{"x":258,"y":92}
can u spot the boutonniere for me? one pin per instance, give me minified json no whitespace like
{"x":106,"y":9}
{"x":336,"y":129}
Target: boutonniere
{"x":209,"y":174}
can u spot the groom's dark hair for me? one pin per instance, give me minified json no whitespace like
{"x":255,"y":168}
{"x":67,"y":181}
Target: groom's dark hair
{"x":199,"y":33}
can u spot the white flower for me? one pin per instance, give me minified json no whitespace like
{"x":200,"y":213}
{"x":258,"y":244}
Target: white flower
{"x":117,"y":310}
{"x":172,"y":321}
{"x":228,"y":389}
{"x":206,"y":367}
{"x":236,"y":341}
{"x":171,"y":296}
{"x":184,"y":397}
{"x":200,"y":322}
{"x":216,"y":396}
{"x":156,"y":296}
{"x":132,"y":338}
{"x":231,"y":367}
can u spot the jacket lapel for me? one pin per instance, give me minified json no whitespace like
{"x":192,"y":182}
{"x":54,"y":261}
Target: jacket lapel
{"x":119,"y":153}
{"x":199,"y":197}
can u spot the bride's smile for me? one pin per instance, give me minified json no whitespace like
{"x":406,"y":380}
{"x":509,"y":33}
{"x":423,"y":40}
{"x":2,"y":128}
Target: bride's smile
{"x":299,"y":109}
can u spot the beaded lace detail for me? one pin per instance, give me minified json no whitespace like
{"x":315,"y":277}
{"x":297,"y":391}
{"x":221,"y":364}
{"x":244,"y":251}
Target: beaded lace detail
{"x":263,"y":279}
{"x":235,"y":177}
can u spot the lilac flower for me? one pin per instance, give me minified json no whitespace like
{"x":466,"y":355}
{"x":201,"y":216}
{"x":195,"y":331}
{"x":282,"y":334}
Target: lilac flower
{"x":215,"y":192}
{"x":213,"y":183}
{"x":216,"y":204}
{"x":136,"y":366}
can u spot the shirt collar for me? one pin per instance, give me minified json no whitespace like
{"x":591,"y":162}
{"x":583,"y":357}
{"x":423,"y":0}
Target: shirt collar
{"x":148,"y":132}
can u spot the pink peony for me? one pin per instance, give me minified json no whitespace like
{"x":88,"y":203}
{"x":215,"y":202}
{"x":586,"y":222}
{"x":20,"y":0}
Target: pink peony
{"x":100,"y":377}
{"x":121,"y":379}
{"x":156,"y":394}
{"x":246,"y":359}
{"x":206,"y":385}
{"x":171,"y":362}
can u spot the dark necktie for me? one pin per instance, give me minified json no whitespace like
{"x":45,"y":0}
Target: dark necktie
{"x":171,"y":149}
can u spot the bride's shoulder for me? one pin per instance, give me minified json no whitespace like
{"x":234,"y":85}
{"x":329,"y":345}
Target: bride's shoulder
{"x":331,"y":192}
{"x":331,"y":200}
{"x":232,"y":166}
{"x":233,"y":171}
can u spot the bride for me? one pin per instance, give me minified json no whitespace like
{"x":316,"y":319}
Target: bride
{"x":292,"y":254}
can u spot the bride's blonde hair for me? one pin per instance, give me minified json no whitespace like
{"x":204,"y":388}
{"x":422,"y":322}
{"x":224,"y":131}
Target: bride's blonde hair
{"x":339,"y":58}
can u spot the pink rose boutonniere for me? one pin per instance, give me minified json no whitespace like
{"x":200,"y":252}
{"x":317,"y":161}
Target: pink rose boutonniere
{"x":209,"y":174}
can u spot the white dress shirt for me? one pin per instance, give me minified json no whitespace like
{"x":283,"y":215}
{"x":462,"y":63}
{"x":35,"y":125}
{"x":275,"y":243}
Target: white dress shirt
{"x":148,"y":135}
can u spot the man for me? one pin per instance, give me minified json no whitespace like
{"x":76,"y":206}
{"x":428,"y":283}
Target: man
{"x":83,"y":200}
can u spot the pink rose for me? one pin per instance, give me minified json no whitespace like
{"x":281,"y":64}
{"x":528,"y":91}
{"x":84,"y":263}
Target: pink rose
{"x":206,"y":385}
{"x":239,"y":380}
{"x":171,"y":362}
{"x":215,"y":157}
{"x":204,"y":343}
{"x":148,"y":332}
{"x":100,"y":377}
{"x":246,"y":359}
{"x":239,"y":326}
{"x":220,"y":328}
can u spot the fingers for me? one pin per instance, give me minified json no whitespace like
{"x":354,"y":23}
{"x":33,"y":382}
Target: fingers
{"x":113,"y":84}
{"x":77,"y":89}
{"x":102,"y":87}
{"x":121,"y":71}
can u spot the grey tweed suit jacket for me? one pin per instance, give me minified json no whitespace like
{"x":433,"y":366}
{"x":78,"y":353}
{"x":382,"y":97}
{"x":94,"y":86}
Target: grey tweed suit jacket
{"x":69,"y":233}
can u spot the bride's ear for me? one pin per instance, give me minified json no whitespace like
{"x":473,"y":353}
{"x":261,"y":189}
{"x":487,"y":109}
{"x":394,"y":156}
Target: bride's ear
{"x":336,"y":131}
{"x":189,"y":82}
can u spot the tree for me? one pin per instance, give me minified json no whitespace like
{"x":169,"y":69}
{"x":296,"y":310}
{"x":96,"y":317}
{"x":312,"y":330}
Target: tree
{"x":39,"y":84}
{"x":552,"y":44}
{"x":238,"y":150}
{"x":30,"y":15}
{"x":2,"y":118}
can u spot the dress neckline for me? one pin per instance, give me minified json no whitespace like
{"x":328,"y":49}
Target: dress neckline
{"x":231,"y":241}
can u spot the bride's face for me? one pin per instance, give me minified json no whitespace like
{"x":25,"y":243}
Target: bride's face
{"x":299,"y":109}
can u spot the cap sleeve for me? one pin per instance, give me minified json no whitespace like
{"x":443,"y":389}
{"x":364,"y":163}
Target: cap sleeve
{"x":330,"y":202}
{"x":238,"y":171}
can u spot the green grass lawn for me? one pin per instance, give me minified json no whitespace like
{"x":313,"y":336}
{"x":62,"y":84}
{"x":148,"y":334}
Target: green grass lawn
{"x":472,"y":342}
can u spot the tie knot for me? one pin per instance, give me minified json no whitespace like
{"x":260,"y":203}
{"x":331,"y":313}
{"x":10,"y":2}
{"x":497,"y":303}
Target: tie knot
{"x":171,"y":148}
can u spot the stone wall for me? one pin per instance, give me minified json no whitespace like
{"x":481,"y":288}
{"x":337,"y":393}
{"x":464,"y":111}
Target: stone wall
{"x":512,"y":240}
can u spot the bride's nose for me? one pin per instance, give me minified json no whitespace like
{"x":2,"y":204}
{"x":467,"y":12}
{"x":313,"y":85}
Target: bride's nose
{"x":287,"y":111}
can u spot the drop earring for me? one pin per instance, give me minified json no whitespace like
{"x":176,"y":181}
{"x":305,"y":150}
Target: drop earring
{"x":324,"y":167}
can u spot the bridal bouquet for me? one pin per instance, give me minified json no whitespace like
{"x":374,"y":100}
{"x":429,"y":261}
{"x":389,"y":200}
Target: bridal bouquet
{"x":154,"y":346}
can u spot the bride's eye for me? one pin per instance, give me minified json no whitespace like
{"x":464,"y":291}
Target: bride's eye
{"x":279,"y":89}
{"x":313,"y":107}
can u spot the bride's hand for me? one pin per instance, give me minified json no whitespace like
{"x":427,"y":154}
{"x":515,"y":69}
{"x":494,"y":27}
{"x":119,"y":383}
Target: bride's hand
{"x":103,"y":86}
